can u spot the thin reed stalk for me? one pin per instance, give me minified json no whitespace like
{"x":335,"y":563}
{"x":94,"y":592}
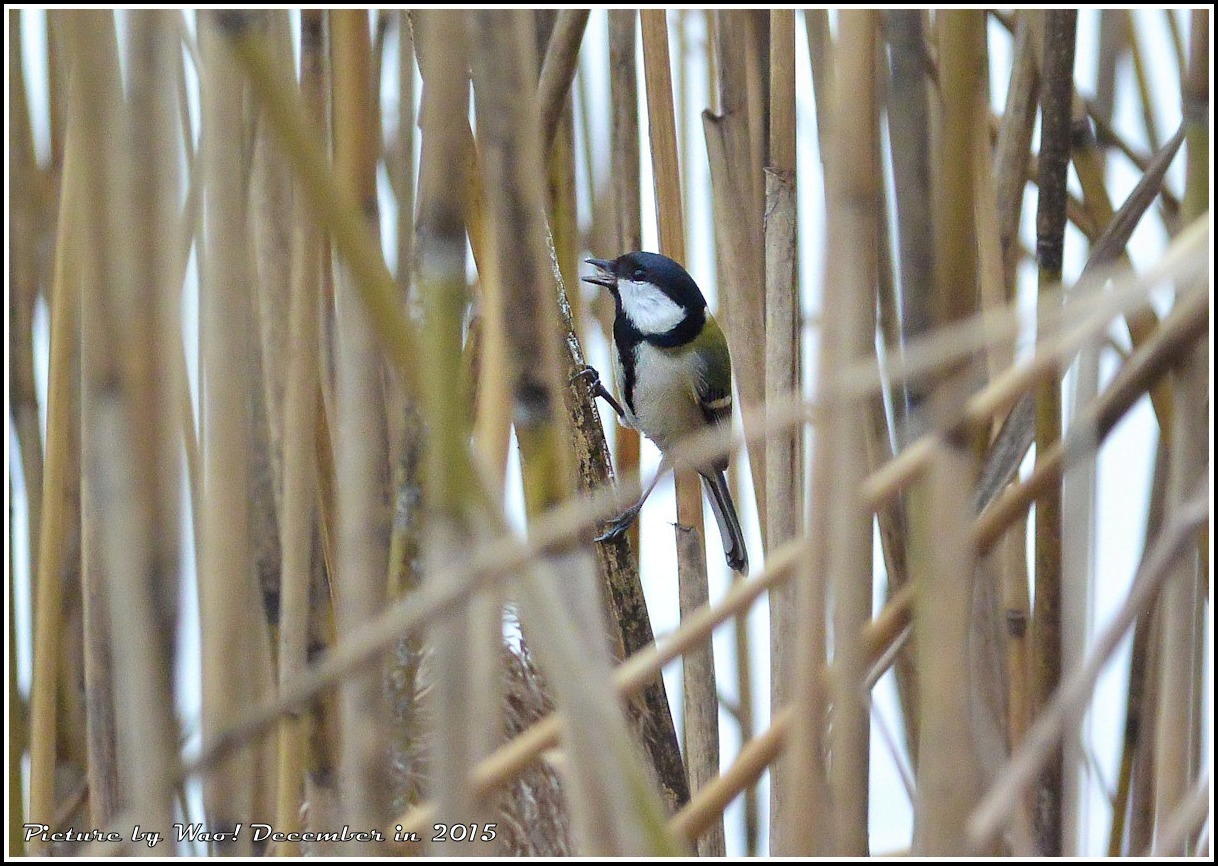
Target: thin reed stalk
{"x":1056,"y":92}
{"x":701,"y":717}
{"x":60,"y":492}
{"x":624,"y":145}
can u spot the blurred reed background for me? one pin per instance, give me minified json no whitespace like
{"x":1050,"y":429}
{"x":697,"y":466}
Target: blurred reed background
{"x":255,"y":465}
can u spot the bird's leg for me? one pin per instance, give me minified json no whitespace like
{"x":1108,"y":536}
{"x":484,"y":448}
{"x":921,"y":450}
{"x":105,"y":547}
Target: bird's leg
{"x":599,"y":390}
{"x":622,"y":522}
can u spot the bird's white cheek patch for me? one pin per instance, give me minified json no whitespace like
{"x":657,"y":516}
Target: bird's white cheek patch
{"x":648,"y":308}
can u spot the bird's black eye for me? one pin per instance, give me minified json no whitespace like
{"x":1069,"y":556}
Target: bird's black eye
{"x":638,"y":275}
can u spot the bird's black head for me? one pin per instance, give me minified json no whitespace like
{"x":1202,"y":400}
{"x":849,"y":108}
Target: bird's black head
{"x":652,"y":290}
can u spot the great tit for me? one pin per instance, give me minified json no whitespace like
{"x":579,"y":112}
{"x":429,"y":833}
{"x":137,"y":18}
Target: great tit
{"x":674,"y":373}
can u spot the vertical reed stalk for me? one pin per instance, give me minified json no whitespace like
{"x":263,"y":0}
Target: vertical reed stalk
{"x":300,"y":487}
{"x":624,"y":146}
{"x":737,"y":197}
{"x":1182,"y":628}
{"x":97,"y":106}
{"x":464,"y":694}
{"x":59,"y":495}
{"x":853,"y":205}
{"x":24,"y":229}
{"x":701,"y":718}
{"x":362,"y":510}
{"x":942,"y":555}
{"x":1057,"y":89}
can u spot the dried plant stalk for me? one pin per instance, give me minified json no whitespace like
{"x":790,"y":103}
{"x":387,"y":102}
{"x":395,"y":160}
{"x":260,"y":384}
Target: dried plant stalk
{"x":25,"y":178}
{"x":701,"y":719}
{"x":97,"y":106}
{"x":464,"y":692}
{"x":60,"y":491}
{"x":853,"y":205}
{"x":942,"y":556}
{"x":1056,"y":92}
{"x":300,"y":470}
{"x":227,"y":600}
{"x":363,"y":514}
{"x":737,"y":194}
{"x":1178,"y":727}
{"x":624,"y":145}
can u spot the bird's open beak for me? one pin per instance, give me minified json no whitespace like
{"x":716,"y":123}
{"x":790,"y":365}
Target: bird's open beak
{"x":605,"y":278}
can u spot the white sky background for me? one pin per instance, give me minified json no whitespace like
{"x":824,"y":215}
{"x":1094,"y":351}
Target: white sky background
{"x":1124,"y":465}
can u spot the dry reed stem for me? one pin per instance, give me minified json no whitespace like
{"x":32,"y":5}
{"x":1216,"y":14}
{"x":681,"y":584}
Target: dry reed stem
{"x":58,"y":494}
{"x":363,"y":515}
{"x":1180,"y":828}
{"x":909,"y":133}
{"x":1057,"y":88}
{"x":1011,"y":151}
{"x":25,"y":226}
{"x":463,"y":697}
{"x":839,"y":461}
{"x":558,"y":71}
{"x":1182,"y":609}
{"x":227,"y":600}
{"x":737,"y":199}
{"x":97,"y":107}
{"x":300,"y":470}
{"x":701,"y":719}
{"x":783,"y":455}
{"x":941,"y":558}
{"x":137,"y":432}
{"x":624,"y":145}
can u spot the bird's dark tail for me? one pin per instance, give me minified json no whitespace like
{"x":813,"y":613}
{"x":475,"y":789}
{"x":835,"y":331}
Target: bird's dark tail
{"x":729,"y":524}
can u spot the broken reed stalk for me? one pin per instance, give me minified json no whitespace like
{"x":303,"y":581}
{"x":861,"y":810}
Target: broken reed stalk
{"x":701,"y":718}
{"x":1057,"y":88}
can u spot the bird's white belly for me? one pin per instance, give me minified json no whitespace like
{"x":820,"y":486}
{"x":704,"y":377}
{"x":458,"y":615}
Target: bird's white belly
{"x":666,"y":407}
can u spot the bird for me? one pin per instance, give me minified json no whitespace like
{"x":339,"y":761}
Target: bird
{"x":674,"y":374}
